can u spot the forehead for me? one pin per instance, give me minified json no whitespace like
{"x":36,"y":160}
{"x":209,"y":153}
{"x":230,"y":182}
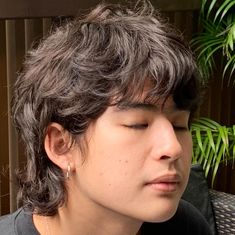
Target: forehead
{"x":166,"y":105}
{"x":150,"y":95}
{"x":147,"y":96}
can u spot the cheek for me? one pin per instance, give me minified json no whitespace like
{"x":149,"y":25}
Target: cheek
{"x":114,"y":145}
{"x":187,"y":150}
{"x":187,"y":145}
{"x":115,"y":164}
{"x":112,"y":171}
{"x":186,"y":159}
{"x":113,"y":157}
{"x":109,"y":176}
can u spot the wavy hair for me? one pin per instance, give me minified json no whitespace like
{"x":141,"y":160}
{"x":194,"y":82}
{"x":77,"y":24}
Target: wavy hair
{"x":73,"y":75}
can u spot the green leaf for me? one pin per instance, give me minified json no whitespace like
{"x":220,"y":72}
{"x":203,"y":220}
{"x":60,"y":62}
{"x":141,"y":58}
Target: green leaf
{"x":218,"y":36}
{"x":210,"y":163}
{"x":224,"y":136}
{"x":229,"y":6}
{"x":199,"y":140}
{"x":218,"y":144}
{"x":232,"y":71}
{"x":206,"y":122}
{"x":230,"y":63}
{"x":207,"y":44}
{"x":203,"y":6}
{"x":213,"y":144}
{"x":207,"y":149}
{"x":233,"y":154}
{"x":211,"y":139}
{"x":229,"y":41}
{"x":217,"y":163}
{"x":204,"y":153}
{"x":221,"y":9}
{"x":212,"y":53}
{"x":196,"y":152}
{"x":211,"y":7}
{"x":233,"y":31}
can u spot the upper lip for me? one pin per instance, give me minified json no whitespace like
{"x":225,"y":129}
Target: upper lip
{"x":166,"y":178}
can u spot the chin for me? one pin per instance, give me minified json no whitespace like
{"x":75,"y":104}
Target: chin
{"x":162,"y":214}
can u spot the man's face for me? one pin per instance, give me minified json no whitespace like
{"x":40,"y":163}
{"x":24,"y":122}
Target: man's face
{"x":138,"y":161}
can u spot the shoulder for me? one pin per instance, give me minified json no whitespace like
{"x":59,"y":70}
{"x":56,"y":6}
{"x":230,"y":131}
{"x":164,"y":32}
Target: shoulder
{"x":19,"y":222}
{"x":7,"y":223}
{"x":187,"y":220}
{"x":190,"y":216}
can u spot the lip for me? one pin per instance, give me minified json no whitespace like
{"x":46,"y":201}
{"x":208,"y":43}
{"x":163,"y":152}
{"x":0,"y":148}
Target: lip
{"x":165,"y":183}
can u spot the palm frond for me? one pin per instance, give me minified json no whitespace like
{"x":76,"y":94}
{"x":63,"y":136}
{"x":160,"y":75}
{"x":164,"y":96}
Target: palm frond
{"x":213,"y":2}
{"x":230,"y":65}
{"x":217,"y":38}
{"x":213,"y":144}
{"x":226,"y":10}
{"x":223,"y":9}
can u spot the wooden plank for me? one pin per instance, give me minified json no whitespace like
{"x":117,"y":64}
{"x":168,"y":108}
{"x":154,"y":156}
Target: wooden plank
{"x":12,"y":134}
{"x":48,"y":8}
{"x":33,"y":31}
{"x":47,"y":22}
{"x":4,"y":185}
{"x":177,"y":5}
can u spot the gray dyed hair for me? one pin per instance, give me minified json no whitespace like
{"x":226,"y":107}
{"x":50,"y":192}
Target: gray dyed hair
{"x":73,"y":75}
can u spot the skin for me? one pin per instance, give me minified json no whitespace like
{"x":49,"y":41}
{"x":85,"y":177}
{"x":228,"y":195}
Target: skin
{"x":121,"y":181}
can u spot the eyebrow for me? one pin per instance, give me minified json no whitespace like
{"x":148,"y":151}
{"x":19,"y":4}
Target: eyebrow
{"x":145,"y":107}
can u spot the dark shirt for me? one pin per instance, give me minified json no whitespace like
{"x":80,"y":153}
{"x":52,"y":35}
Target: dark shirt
{"x":187,"y":220}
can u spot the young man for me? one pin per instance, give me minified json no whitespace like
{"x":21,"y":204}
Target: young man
{"x":103,"y":106}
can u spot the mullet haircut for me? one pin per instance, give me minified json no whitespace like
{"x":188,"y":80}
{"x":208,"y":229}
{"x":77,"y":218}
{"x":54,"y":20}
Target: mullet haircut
{"x":74,"y":74}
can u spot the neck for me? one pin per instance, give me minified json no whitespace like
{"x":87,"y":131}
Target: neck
{"x":86,"y":221}
{"x":89,"y":224}
{"x":81,"y":216}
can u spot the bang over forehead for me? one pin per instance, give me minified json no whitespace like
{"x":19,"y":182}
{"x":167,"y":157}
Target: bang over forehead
{"x":138,"y":48}
{"x":166,"y":70}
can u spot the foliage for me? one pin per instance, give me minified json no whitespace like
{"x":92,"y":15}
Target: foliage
{"x":213,"y":144}
{"x":217,"y":38}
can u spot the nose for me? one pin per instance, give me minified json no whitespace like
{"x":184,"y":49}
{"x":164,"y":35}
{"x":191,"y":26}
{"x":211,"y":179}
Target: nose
{"x":166,"y":144}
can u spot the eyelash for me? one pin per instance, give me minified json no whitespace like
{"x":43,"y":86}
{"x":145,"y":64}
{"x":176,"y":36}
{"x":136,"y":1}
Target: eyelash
{"x":145,"y":125}
{"x":137,"y":126}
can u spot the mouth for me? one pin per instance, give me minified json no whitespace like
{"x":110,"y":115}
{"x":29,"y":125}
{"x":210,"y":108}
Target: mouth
{"x":167,"y":183}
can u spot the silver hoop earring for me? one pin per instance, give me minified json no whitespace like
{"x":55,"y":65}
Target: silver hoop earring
{"x":68,"y":171}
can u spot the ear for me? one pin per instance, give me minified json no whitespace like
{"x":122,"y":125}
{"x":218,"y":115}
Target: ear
{"x":59,"y":146}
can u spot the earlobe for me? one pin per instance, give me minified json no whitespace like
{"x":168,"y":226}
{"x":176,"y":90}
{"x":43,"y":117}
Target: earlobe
{"x":57,"y":144}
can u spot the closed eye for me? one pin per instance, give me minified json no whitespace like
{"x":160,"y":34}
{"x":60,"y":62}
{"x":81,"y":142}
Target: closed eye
{"x":137,"y":126}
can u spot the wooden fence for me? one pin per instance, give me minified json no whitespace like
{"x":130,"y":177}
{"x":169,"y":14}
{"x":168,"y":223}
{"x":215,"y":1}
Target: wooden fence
{"x":24,"y":22}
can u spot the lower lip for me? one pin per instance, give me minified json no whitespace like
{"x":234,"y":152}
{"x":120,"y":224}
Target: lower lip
{"x":164,"y":186}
